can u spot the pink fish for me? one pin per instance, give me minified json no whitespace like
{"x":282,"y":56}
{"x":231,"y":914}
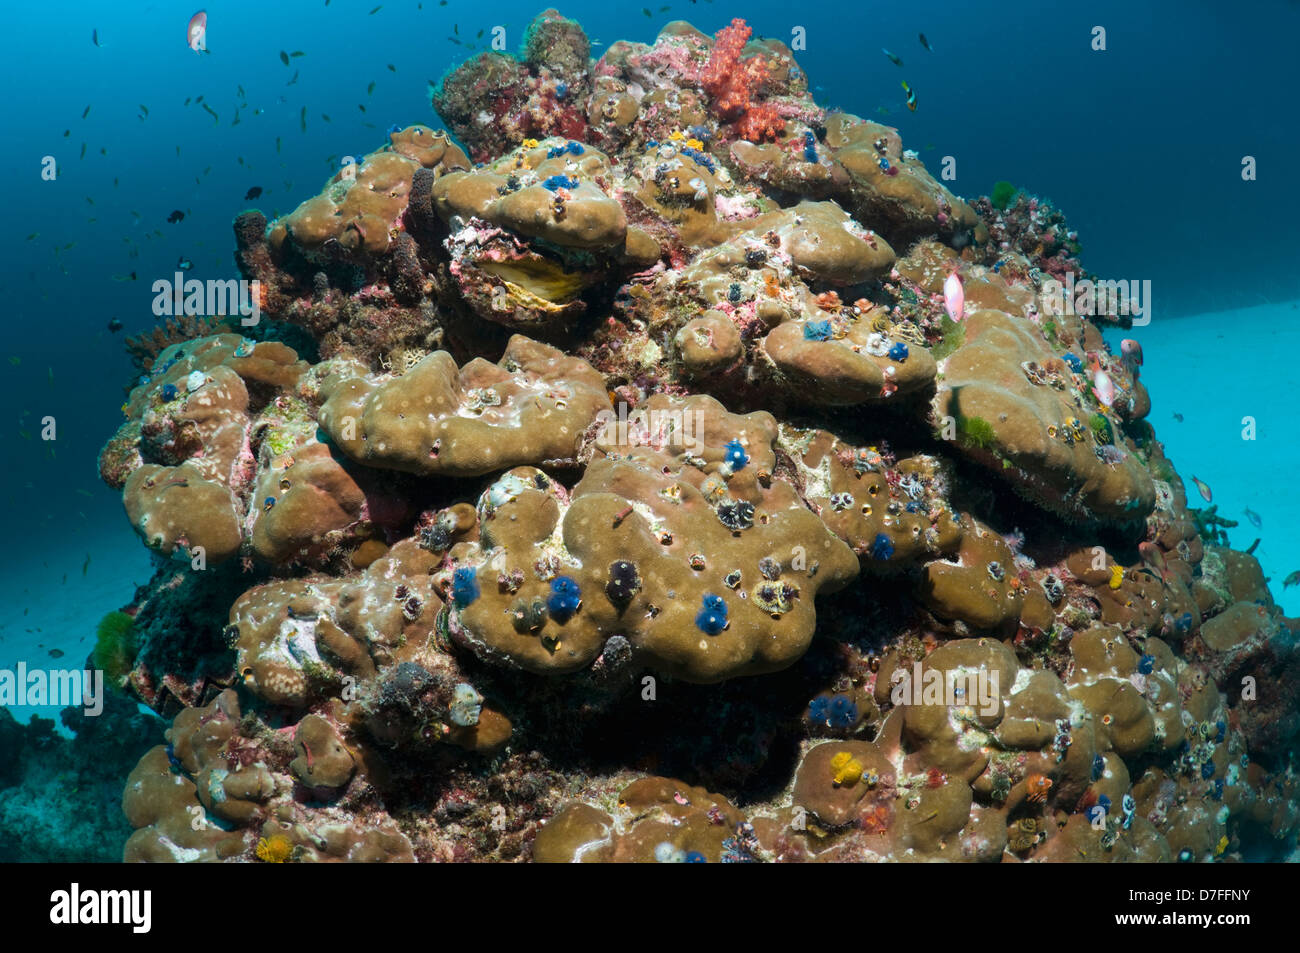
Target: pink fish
{"x":197,"y":32}
{"x":954,"y":297}
{"x":1132,"y":351}
{"x":1205,"y":490}
{"x":1151,"y":555}
{"x":1105,"y":387}
{"x":1155,"y":560}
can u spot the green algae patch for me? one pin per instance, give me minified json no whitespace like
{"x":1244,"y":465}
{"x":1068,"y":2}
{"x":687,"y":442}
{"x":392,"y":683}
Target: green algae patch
{"x":115,"y":647}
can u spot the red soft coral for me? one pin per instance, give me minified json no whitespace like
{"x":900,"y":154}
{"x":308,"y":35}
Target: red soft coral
{"x":760,"y":123}
{"x":731,"y":84}
{"x":720,"y":71}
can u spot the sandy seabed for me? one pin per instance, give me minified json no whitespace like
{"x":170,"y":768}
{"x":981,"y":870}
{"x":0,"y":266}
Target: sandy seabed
{"x":1219,"y":371}
{"x":55,"y":608}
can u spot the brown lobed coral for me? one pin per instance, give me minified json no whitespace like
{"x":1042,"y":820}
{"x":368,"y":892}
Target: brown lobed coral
{"x":898,"y":584}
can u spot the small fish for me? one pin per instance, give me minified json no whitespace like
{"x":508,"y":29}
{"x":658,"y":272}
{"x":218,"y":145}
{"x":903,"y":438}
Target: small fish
{"x":83,"y":151}
{"x":296,"y":53}
{"x":302,"y":119}
{"x":1206,"y":494}
{"x":1152,"y":556}
{"x":252,"y":193}
{"x":897,"y":61}
{"x":144,"y":109}
{"x":911,"y":96}
{"x":1178,"y":417}
{"x":375,"y":10}
{"x":646,"y":11}
{"x":85,"y":112}
{"x":293,"y":81}
{"x":86,"y":565}
{"x":1291,"y":580}
{"x":176,"y":216}
{"x":130,"y":277}
{"x":184,"y":264}
{"x":284,"y":57}
{"x":56,"y":653}
{"x":392,"y":68}
{"x":114,"y":325}
{"x":211,"y":112}
{"x":925,"y":42}
{"x":94,"y":37}
{"x":196,"y":34}
{"x":1253,"y":517}
{"x":371,"y":88}
{"x":954,"y":297}
{"x":1105,"y":388}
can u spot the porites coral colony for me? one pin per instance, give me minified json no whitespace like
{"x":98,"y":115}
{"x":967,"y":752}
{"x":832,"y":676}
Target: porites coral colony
{"x":663,"y":382}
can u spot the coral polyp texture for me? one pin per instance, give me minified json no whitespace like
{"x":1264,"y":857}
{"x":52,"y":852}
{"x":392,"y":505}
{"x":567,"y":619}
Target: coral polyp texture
{"x":655,"y":466}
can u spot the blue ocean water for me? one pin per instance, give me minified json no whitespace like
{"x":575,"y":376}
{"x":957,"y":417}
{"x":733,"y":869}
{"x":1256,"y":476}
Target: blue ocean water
{"x":1141,"y":145}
